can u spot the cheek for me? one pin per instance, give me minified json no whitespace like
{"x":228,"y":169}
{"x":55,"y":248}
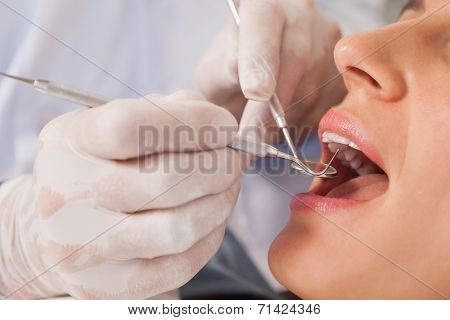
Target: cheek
{"x":425,"y":166}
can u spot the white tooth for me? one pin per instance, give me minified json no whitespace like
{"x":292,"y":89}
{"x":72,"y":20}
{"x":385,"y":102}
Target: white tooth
{"x":333,"y":137}
{"x":325,"y":137}
{"x":366,"y":169}
{"x":333,"y":147}
{"x":356,"y":163}
{"x":354,"y":146}
{"x":342,"y":140}
{"x":350,"y":154}
{"x":329,"y":137}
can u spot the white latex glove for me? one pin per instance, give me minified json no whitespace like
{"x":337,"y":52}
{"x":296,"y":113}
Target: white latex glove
{"x":78,"y":208}
{"x":285,"y":45}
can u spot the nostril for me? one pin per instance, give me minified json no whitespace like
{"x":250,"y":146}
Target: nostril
{"x":364,"y":75}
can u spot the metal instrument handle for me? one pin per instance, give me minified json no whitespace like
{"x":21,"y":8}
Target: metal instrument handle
{"x":71,"y":94}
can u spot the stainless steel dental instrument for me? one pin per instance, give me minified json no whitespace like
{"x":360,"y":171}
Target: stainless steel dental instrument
{"x":278,"y":114}
{"x":259,"y":149}
{"x":62,"y":91}
{"x":263,"y":150}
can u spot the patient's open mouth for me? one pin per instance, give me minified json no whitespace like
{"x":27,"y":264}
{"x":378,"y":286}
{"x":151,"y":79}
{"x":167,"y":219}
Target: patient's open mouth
{"x":361,"y":176}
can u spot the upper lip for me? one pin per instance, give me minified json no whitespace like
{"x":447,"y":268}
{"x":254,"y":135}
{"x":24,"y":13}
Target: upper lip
{"x":346,"y":125}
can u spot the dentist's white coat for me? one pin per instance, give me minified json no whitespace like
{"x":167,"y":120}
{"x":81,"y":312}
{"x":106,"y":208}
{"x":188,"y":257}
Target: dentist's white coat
{"x":125,"y":48}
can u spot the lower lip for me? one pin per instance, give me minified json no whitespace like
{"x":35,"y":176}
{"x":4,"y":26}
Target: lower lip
{"x":309,"y":202}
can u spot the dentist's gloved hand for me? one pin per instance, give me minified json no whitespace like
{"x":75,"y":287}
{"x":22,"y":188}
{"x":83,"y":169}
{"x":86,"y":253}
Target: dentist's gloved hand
{"x":285,"y":45}
{"x":115,"y":212}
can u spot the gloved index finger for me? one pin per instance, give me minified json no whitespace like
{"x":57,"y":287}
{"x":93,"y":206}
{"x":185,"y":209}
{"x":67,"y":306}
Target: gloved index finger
{"x":125,"y":129}
{"x":260,"y":38}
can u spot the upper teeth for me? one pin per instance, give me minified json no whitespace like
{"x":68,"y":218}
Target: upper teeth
{"x":328,"y":137}
{"x":350,"y":155}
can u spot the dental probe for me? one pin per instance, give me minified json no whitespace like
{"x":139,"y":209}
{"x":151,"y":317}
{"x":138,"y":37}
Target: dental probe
{"x":274,"y":104}
{"x":264,"y":150}
{"x":91,"y":100}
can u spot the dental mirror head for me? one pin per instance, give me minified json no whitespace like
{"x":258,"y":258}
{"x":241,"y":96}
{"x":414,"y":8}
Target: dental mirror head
{"x":316,"y":169}
{"x":330,"y":172}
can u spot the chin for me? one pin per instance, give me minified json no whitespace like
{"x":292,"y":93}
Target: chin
{"x":313,"y":270}
{"x":293,"y":267}
{"x":306,"y":266}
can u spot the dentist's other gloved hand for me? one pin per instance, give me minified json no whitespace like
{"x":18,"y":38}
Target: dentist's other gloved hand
{"x":112,"y":211}
{"x":285,"y":45}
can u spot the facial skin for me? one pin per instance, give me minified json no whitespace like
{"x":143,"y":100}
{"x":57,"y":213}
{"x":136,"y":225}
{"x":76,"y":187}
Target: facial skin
{"x":397,"y":245}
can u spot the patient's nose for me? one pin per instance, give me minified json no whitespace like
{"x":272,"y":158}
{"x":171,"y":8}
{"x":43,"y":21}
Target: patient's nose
{"x":368,"y":62}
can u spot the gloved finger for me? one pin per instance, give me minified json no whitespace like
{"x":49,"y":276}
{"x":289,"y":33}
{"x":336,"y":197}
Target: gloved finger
{"x":179,"y":268}
{"x":235,"y":104}
{"x":154,"y":96}
{"x":119,"y":236}
{"x":216,"y":75}
{"x":307,"y":54}
{"x":294,"y":61}
{"x":296,"y":56}
{"x":167,"y":180}
{"x":184,"y":95}
{"x":144,"y":278}
{"x":125,"y":129}
{"x":257,"y":122}
{"x":165,"y":232}
{"x":260,"y":39}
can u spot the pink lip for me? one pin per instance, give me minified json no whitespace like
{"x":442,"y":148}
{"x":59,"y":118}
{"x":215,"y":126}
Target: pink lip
{"x":345,"y":125}
{"x":307,"y":202}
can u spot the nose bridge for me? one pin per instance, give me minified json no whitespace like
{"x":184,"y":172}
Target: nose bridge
{"x":375,"y":61}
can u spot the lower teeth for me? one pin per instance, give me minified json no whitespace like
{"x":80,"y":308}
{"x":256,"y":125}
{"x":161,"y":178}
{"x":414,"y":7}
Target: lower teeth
{"x":367,"y":169}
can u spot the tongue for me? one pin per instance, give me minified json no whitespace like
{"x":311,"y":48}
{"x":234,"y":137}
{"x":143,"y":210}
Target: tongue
{"x":365,"y":187}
